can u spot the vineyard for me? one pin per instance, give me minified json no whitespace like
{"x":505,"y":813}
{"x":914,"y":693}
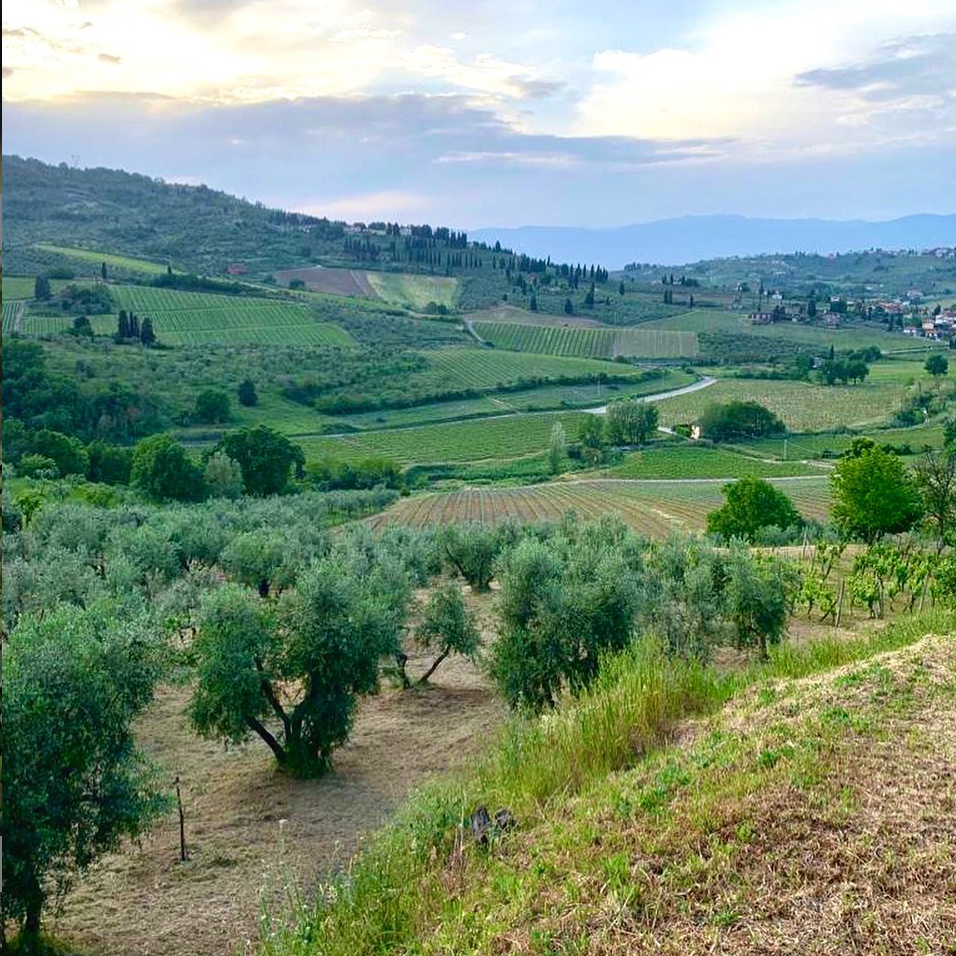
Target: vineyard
{"x":695,"y":461}
{"x":802,"y":407}
{"x":592,"y":342}
{"x":12,"y":313}
{"x":453,"y":369}
{"x":654,"y":508}
{"x":195,"y":318}
{"x":512,"y":437}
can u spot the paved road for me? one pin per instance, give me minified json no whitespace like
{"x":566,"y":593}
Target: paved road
{"x":705,"y":382}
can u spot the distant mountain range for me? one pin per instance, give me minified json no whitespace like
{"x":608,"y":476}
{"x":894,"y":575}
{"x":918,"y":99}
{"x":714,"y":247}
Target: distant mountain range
{"x":693,"y":238}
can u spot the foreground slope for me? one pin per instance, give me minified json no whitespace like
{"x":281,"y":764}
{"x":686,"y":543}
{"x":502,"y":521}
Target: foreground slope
{"x":811,"y":814}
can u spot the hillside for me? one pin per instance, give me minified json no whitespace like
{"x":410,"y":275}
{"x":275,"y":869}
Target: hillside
{"x":695,"y":238}
{"x":812,"y":813}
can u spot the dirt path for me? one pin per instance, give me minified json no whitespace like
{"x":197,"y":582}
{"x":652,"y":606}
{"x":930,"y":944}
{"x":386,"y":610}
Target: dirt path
{"x":253,"y":831}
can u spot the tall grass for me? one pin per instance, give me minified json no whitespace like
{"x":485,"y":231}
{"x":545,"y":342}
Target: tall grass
{"x":386,"y":899}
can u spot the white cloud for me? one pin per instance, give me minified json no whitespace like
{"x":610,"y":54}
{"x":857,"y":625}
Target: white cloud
{"x":735,"y":75}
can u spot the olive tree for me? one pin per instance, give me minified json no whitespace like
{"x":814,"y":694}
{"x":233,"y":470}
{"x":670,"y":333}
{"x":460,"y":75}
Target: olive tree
{"x":563,"y":604}
{"x":74,"y":783}
{"x":757,"y":599}
{"x":291,"y":671}
{"x":448,"y":626}
{"x":471,"y":550}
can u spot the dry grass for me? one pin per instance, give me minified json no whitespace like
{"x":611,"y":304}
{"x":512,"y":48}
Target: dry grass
{"x":250,"y":829}
{"x":815,"y":816}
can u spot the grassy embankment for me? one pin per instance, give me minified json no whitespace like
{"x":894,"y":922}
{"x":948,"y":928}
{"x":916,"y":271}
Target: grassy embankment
{"x":803,"y":807}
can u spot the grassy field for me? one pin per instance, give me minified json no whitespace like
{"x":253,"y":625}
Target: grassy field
{"x":595,"y":342}
{"x":652,"y":508}
{"x":669,"y":460}
{"x":803,"y":407}
{"x":496,"y":438}
{"x":195,"y":318}
{"x":414,"y":291}
{"x":17,"y":287}
{"x":92,"y":258}
{"x":715,"y":320}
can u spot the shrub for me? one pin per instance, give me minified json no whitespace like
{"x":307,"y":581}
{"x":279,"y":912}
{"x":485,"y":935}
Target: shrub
{"x":739,"y":420}
{"x":163,"y":470}
{"x":752,"y":504}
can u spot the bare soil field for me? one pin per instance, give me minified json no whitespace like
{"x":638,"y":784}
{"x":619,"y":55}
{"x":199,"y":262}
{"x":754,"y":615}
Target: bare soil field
{"x":516,"y":316}
{"x":331,"y":281}
{"x":252,"y":831}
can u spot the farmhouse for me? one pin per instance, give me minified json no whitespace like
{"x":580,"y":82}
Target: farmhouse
{"x":761,"y":318}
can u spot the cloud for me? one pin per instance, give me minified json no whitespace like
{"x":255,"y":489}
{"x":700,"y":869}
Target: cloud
{"x":535,"y":89}
{"x":106,"y":58}
{"x":905,"y":67}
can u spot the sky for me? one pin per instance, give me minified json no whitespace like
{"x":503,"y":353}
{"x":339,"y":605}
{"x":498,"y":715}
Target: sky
{"x":496,"y":113}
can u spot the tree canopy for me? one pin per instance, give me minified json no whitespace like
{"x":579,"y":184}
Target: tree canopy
{"x":163,"y":469}
{"x":752,"y":504}
{"x":630,"y":421}
{"x":872,"y":493}
{"x":74,"y":782}
{"x":265,"y":457}
{"x":739,"y":420}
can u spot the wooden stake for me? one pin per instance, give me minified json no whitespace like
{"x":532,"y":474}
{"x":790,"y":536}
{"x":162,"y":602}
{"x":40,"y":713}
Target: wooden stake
{"x":182,"y":825}
{"x":839,"y":613}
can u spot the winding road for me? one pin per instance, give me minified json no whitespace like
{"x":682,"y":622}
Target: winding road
{"x":704,"y":382}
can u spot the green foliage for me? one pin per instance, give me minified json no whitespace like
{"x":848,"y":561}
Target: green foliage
{"x":935,"y":478}
{"x":937,"y":365}
{"x":328,"y":474}
{"x":74,"y":782}
{"x":592,"y":439}
{"x":873,"y":495}
{"x":223,"y":476}
{"x":258,"y":559}
{"x":248,"y":397}
{"x":448,"y":626}
{"x":751,"y":505}
{"x":325,"y":639}
{"x":265,"y":457}
{"x":721,"y":422}
{"x":564,"y":603}
{"x":471,"y":550}
{"x":682,"y":597}
{"x":41,"y":289}
{"x":69,"y":454}
{"x":630,"y":422}
{"x":212,"y":407}
{"x":163,"y":470}
{"x":38,"y":466}
{"x":757,"y":598}
{"x":110,"y":464}
{"x":557,"y":448}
